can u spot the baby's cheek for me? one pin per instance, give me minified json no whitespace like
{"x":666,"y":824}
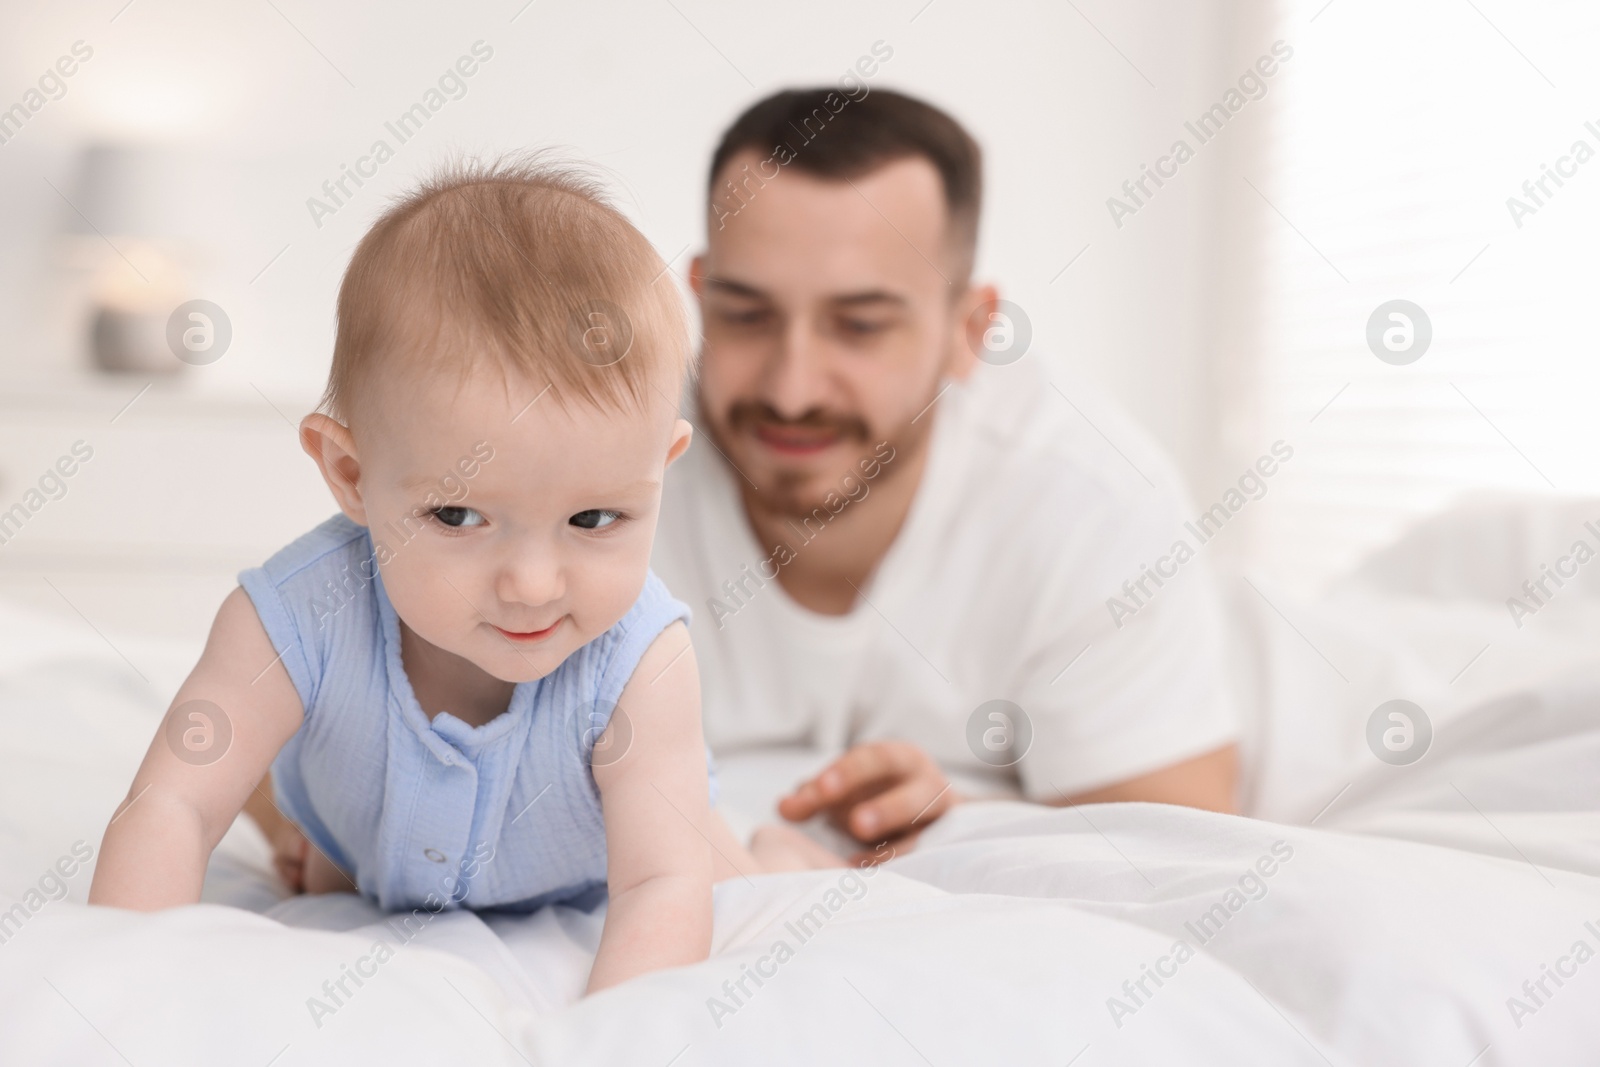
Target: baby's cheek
{"x":611,"y":591}
{"x":420,"y":588}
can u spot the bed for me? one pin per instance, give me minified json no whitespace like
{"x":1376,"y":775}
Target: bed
{"x":1443,"y":912}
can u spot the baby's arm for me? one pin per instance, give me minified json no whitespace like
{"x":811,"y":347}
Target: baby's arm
{"x":654,"y":791}
{"x":155,"y":850}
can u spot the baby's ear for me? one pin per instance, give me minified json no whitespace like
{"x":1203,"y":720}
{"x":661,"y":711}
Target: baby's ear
{"x":682,"y":434}
{"x":331,"y":445}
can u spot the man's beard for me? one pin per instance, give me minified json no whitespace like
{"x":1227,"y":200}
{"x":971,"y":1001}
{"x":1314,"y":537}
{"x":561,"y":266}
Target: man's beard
{"x":795,"y":494}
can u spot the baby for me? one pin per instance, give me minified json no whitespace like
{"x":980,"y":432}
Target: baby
{"x":469,"y":686}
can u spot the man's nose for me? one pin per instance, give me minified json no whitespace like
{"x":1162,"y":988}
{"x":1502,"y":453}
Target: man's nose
{"x":795,"y":377}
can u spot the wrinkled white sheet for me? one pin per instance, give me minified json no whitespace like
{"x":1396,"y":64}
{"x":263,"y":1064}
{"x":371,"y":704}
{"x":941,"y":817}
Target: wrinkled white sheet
{"x":1417,"y":921}
{"x":1019,"y":935}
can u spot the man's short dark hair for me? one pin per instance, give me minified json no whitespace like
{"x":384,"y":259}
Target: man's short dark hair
{"x":831,"y":134}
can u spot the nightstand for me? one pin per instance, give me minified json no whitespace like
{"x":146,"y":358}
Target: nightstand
{"x":181,"y":489}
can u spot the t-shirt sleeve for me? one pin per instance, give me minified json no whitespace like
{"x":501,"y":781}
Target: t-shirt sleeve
{"x":655,"y":610}
{"x":282,"y":629}
{"x":1122,"y":685}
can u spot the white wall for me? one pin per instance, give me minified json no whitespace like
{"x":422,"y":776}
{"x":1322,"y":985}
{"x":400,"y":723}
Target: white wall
{"x":640,"y":88}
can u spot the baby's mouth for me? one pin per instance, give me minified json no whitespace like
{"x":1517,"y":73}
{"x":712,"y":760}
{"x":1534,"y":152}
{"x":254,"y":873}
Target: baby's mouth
{"x":529,"y":635}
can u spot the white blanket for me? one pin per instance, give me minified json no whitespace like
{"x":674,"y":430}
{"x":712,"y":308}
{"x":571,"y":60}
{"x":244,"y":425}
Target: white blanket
{"x":1021,"y":935}
{"x":1445,"y":913}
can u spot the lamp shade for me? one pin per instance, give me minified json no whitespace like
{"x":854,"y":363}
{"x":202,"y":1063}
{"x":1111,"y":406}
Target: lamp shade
{"x":130,"y":190}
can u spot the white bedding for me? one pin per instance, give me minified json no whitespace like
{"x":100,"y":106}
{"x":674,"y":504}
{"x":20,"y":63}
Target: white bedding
{"x":1004,"y":941}
{"x":1396,"y":930}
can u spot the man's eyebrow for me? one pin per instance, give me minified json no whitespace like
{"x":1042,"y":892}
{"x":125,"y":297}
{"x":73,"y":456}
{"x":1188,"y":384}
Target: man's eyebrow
{"x":865,"y":297}
{"x":871,"y":296}
{"x":728,"y":285}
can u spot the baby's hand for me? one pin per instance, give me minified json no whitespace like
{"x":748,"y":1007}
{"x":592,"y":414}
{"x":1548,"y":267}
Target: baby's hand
{"x":289,"y":850}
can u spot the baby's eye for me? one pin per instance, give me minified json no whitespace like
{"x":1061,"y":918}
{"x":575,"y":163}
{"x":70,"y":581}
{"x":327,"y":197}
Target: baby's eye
{"x":595,"y":518}
{"x":456,"y":518}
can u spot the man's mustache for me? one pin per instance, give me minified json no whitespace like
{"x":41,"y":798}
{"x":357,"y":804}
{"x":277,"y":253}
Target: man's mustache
{"x":746,"y":415}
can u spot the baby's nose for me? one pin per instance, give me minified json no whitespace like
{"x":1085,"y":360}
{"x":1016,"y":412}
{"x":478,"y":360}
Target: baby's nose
{"x":533,"y":579}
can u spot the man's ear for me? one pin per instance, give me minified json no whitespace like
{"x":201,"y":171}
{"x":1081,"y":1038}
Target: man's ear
{"x":682,"y":434}
{"x":697,"y":276}
{"x":330,"y":443}
{"x":971,"y":314}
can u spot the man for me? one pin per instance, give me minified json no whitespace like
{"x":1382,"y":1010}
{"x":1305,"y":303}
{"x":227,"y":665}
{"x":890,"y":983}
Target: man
{"x":899,"y":538}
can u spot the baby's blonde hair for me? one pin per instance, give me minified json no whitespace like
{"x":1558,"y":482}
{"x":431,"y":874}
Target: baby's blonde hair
{"x":521,"y":258}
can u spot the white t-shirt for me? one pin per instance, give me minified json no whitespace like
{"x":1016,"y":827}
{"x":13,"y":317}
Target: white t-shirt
{"x":1033,"y":510}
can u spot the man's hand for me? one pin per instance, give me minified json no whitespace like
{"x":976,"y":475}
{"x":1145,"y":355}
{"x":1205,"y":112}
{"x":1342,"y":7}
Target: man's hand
{"x":881,"y":791}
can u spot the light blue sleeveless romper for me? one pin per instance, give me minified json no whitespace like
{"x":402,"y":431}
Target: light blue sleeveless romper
{"x":438,"y":814}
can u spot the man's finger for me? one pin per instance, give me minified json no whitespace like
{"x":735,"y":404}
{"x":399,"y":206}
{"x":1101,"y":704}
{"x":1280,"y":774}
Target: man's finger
{"x":809,"y":800}
{"x":800,"y":805}
{"x":913,"y":803}
{"x":860,"y":768}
